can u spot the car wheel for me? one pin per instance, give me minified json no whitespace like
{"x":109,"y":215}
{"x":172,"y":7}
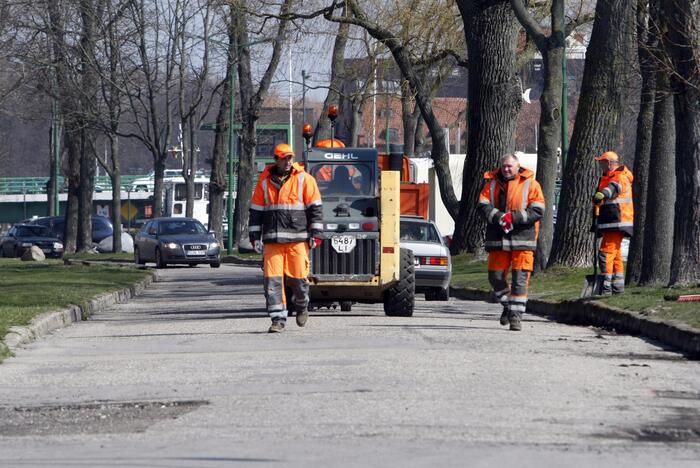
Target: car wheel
{"x":159,"y":260}
{"x":442,"y":294}
{"x":345,"y":306}
{"x":215,"y":265}
{"x":430,"y":295}
{"x":400,"y":299}
{"x":137,"y":257}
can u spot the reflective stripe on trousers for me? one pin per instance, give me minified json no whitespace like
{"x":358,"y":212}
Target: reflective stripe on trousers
{"x":285,"y":265}
{"x":611,"y":267}
{"x":521,"y":263}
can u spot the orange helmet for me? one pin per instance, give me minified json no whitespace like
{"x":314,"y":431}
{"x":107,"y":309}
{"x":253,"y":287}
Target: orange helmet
{"x":283,"y":150}
{"x":334,"y":143}
{"x":608,"y":156}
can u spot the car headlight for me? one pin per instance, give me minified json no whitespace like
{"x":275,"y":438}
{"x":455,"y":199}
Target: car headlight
{"x":58,"y":246}
{"x":172,"y":245}
{"x":26,"y":244}
{"x":214,"y":245}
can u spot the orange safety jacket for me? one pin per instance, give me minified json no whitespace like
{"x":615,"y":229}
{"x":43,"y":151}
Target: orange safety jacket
{"x":290,"y":212}
{"x":522,"y":196}
{"x":617,"y":209}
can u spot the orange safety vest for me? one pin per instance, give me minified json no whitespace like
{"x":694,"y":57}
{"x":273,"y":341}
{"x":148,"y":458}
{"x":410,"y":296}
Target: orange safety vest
{"x":288,"y":213}
{"x":617,"y":209}
{"x":522,"y":196}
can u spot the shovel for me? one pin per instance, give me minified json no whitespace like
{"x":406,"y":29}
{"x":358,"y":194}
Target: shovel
{"x":590,"y":285}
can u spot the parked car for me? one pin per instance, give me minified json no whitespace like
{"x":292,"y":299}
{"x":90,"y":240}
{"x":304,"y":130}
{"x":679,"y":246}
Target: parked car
{"x":176,"y":241}
{"x":101,"y":226}
{"x":21,"y":237}
{"x":431,"y":256}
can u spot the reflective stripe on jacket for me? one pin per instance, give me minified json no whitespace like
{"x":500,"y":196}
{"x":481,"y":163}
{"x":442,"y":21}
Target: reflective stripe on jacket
{"x":617,"y":209}
{"x":291,"y":212}
{"x":523,"y":197}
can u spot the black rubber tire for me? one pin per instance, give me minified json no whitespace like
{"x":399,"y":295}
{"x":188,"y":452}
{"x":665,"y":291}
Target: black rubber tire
{"x":430,"y":295}
{"x":215,"y":265}
{"x":159,"y":260}
{"x":137,"y":258}
{"x":345,"y":306}
{"x":442,"y":294}
{"x":400,"y":299}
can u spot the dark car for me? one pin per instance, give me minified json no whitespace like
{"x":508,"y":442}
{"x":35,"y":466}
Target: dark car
{"x":101,"y":226}
{"x":431,"y":256}
{"x":176,"y":241}
{"x":21,"y":237}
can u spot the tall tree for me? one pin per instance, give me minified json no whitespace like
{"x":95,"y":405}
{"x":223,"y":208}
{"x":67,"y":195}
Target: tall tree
{"x":603,"y":92}
{"x":683,"y":19}
{"x":551,"y":47}
{"x":251,"y":104}
{"x":494,"y":97}
{"x":323,"y":126}
{"x":150,"y":89}
{"x":659,"y":219}
{"x":647,"y":44}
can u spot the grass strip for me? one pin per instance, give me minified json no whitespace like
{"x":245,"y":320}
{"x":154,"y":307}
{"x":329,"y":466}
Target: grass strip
{"x":559,"y":284}
{"x":29,"y":288}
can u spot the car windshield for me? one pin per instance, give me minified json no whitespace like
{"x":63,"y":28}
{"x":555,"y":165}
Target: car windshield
{"x":343,"y":179}
{"x":419,"y":232}
{"x":181,"y":227}
{"x":33,"y":231}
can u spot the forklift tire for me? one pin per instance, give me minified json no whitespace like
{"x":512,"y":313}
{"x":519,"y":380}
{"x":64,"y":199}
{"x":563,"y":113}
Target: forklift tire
{"x":345,"y":306}
{"x":400,"y":299}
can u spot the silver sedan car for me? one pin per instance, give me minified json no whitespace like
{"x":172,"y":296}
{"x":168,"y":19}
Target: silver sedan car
{"x":433,"y":264}
{"x":176,"y":241}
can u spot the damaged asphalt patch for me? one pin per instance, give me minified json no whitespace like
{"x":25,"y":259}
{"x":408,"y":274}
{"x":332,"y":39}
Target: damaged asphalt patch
{"x":90,"y":418}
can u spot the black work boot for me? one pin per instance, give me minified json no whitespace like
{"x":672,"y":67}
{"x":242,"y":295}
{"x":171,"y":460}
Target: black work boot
{"x":515,"y":321}
{"x":504,"y":316}
{"x":302,"y":317}
{"x":276,"y":327}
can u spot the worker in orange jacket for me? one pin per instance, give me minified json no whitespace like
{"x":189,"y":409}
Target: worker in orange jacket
{"x":325,"y":173}
{"x":615,"y":221}
{"x":513,"y":204}
{"x":285,"y":219}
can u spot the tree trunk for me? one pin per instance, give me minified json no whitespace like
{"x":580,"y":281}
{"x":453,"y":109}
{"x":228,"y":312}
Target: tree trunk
{"x":494,"y":98}
{"x":217,"y":181}
{"x":323,"y":126}
{"x":87,"y":188}
{"x":52,"y":185}
{"x":116,"y":178}
{"x":647,"y":41}
{"x":244,"y":190}
{"x":409,"y":116}
{"x":605,"y":79}
{"x":681,"y":17}
{"x":158,"y":186}
{"x":658,"y":237}
{"x":70,"y":229}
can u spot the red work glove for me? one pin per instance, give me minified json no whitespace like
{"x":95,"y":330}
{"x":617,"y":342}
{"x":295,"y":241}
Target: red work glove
{"x":314,"y":242}
{"x":506,"y":222}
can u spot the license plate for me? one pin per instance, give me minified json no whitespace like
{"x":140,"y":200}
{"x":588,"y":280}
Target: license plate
{"x":343,"y":244}
{"x":196,"y":252}
{"x":46,"y":250}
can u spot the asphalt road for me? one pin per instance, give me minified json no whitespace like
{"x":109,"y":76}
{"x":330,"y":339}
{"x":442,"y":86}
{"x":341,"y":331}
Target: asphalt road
{"x":186,"y":375}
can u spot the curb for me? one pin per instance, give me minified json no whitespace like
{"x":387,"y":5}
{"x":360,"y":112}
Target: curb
{"x":586,"y":312}
{"x":241,"y":261}
{"x":45,"y":323}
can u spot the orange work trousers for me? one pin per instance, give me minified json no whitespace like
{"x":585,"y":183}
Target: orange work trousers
{"x":612,"y":269}
{"x":512,"y":296}
{"x":285,"y":265}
